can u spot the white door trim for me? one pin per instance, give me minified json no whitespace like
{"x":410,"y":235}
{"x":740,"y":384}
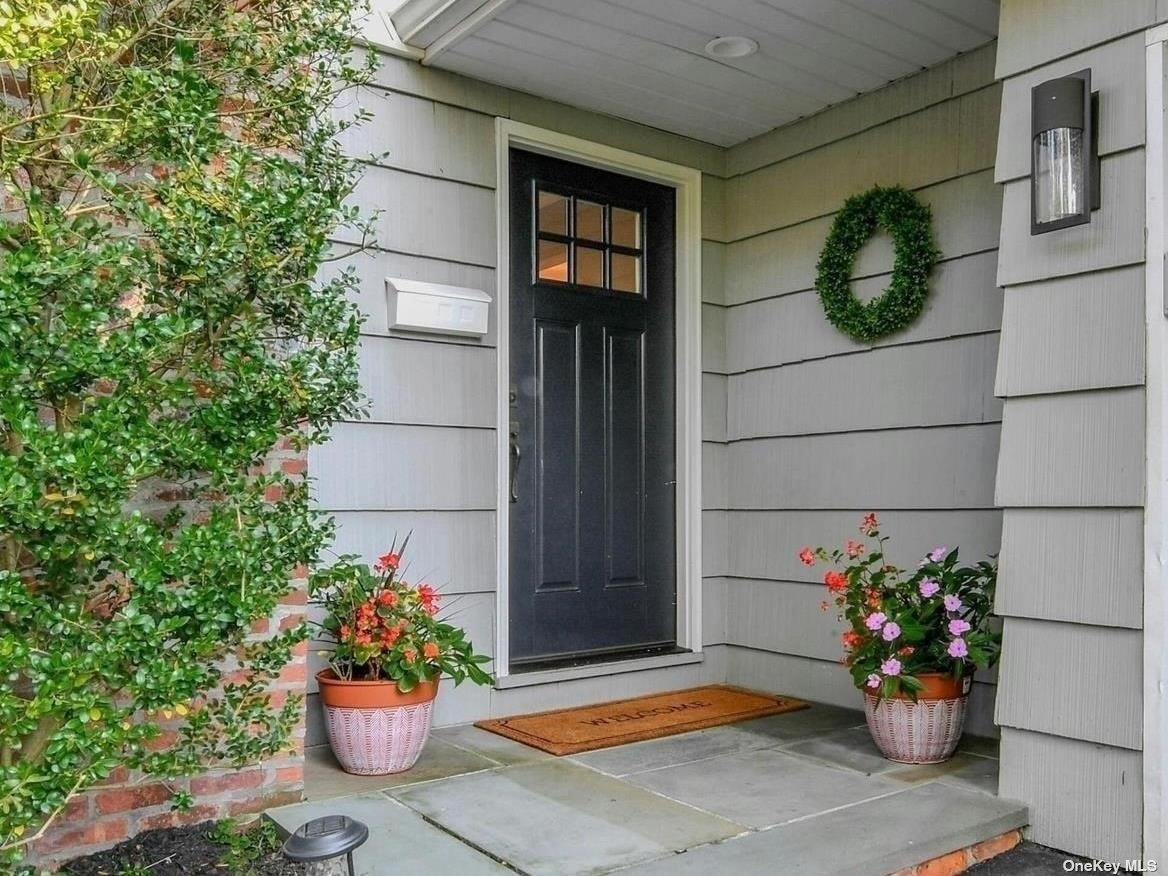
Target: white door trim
{"x":1155,"y":735}
{"x":688,"y":328}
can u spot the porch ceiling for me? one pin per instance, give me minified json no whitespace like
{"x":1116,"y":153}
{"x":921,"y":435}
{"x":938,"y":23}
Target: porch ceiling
{"x":644,"y":60}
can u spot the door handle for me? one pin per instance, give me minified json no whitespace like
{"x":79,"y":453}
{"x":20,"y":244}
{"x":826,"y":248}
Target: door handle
{"x":516,"y":456}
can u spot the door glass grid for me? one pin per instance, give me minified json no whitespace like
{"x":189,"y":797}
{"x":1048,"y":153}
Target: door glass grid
{"x":581,"y":241}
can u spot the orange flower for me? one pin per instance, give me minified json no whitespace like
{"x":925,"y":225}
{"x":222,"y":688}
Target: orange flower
{"x":429,"y":597}
{"x":409,"y":655}
{"x":387,"y":562}
{"x":386,"y":597}
{"x":364,"y":638}
{"x":344,"y":631}
{"x":835,"y":581}
{"x":430,"y":650}
{"x":851,"y":639}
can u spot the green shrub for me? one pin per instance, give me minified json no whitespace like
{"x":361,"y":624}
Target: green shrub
{"x":172,"y":186}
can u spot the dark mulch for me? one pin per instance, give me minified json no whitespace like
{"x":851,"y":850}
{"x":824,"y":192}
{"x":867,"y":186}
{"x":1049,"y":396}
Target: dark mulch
{"x":1025,"y":859}
{"x":176,"y":851}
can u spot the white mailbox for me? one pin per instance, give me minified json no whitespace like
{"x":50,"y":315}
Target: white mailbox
{"x":431,"y":307}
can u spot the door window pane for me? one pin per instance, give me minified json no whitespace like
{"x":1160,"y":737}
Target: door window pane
{"x":626,"y":228}
{"x":589,"y":220}
{"x":589,"y":266}
{"x":587,"y":242}
{"x":553,"y":261}
{"x":626,"y":272}
{"x":553,"y":213}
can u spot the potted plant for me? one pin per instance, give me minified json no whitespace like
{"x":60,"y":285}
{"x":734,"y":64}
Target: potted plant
{"x":914,"y":640}
{"x":389,"y":651}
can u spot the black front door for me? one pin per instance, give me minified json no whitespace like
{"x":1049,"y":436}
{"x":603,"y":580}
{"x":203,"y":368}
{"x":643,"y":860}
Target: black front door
{"x":592,"y":522}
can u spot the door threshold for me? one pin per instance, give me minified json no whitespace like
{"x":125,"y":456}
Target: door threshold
{"x":614,"y":666}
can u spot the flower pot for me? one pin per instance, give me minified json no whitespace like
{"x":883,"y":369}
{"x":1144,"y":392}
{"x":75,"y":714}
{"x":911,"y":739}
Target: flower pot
{"x":925,"y":731}
{"x":373,"y":728}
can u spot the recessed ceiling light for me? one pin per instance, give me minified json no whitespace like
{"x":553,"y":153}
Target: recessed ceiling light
{"x":731,"y":47}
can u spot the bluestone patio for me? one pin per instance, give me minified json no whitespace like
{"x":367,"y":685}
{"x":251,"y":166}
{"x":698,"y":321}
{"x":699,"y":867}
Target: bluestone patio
{"x":801,"y":793}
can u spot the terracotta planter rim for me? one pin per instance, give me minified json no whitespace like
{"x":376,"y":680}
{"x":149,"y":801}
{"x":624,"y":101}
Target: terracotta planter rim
{"x":370,"y":693}
{"x":329,"y":676}
{"x":938,"y":686}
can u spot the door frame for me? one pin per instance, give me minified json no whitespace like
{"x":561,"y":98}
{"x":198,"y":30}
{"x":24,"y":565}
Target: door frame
{"x":1155,"y":626}
{"x":687,"y":181}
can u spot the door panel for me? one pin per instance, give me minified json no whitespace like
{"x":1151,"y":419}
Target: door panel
{"x":624,"y":456}
{"x":558,"y":477}
{"x":592,"y":516}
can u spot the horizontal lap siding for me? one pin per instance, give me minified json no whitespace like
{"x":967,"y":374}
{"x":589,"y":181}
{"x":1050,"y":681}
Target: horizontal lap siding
{"x":1073,"y":333}
{"x":452,"y":549}
{"x":430,"y":384}
{"x":938,"y":143}
{"x":1079,"y":794}
{"x":765,"y":544}
{"x":822,"y":428}
{"x":1093,"y":576}
{"x":1115,"y":69}
{"x":1086,"y":698}
{"x":1079,"y":449}
{"x":389,"y":467}
{"x":776,"y":331}
{"x":424,"y":458}
{"x":968,"y":72}
{"x":1071,"y":468}
{"x":1114,"y":237}
{"x":966,"y":213}
{"x":903,"y":387}
{"x":946,"y":467}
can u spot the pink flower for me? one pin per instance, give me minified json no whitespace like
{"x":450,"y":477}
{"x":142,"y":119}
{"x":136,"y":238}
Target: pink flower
{"x":953,"y":603}
{"x":891,"y":666}
{"x":929,"y":587}
{"x":891,"y":632}
{"x":957,"y":626}
{"x":957,"y":648}
{"x":869,"y":524}
{"x":938,"y":553}
{"x":807,"y":557}
{"x":875,"y":620}
{"x":855,"y":548}
{"x":873,"y":680}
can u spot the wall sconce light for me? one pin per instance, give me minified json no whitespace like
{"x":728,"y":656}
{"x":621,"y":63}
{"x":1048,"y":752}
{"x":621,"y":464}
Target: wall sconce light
{"x":1064,"y":161}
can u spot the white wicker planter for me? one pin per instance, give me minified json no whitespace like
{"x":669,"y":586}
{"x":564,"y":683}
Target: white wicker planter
{"x":372,"y":728}
{"x":377,"y":742}
{"x":925,"y":731}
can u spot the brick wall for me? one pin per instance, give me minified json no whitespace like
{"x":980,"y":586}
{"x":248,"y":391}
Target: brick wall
{"x":127,"y":804}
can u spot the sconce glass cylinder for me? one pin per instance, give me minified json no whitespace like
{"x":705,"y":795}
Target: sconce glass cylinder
{"x":1058,"y":170}
{"x":1062,"y":170}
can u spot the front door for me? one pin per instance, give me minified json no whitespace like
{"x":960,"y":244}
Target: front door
{"x":592,"y":507}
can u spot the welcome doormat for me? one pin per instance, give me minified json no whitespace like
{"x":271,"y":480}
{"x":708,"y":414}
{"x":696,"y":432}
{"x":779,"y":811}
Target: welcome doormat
{"x":584,"y":728}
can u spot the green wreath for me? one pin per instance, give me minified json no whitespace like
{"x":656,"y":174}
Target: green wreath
{"x":909,"y":222}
